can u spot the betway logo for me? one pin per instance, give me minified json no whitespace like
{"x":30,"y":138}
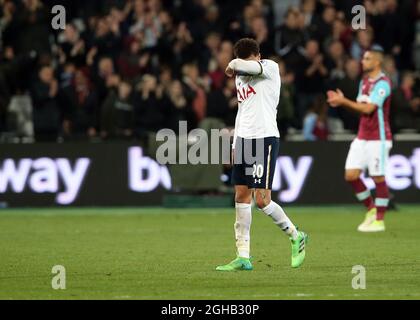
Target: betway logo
{"x":294,"y":176}
{"x":43,"y":175}
{"x":145,"y":174}
{"x":401,"y":173}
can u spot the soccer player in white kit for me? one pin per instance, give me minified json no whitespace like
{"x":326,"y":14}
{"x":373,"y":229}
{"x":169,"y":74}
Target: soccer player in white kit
{"x":256,"y":148}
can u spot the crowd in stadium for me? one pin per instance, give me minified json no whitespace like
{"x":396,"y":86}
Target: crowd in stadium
{"x":124,"y":68}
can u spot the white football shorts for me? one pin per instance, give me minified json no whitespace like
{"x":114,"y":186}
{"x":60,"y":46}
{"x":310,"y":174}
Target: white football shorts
{"x":369,"y":154}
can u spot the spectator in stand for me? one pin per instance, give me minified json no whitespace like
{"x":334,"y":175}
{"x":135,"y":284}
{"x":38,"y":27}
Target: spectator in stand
{"x":324,"y":25}
{"x":249,"y":13}
{"x":218,"y":104}
{"x":7,"y":74}
{"x":177,"y":106}
{"x":230,"y":93}
{"x":315,"y":126}
{"x":309,"y":15}
{"x":391,"y":71}
{"x":149,"y":109}
{"x":286,"y":114}
{"x":290,"y":39}
{"x":217,"y":77}
{"x":182,"y":46}
{"x":406,"y":105}
{"x":80,"y":106}
{"x":117,"y":113}
{"x":227,"y":47}
{"x":384,"y":17}
{"x":335,"y":61}
{"x":72,"y":47}
{"x":4,"y":101}
{"x":149,"y":27}
{"x":311,"y":77}
{"x":167,"y":38}
{"x":6,"y":20}
{"x":195,"y":88}
{"x":262,"y":9}
{"x":165,"y":79}
{"x":342,"y":31}
{"x":280,"y":9}
{"x":208,"y":57}
{"x":210,"y":20}
{"x":46,"y":113}
{"x":362,"y":42}
{"x":131,"y":62}
{"x":260,"y":32}
{"x":349,"y":85}
{"x":31,"y":24}
{"x":105,"y":79}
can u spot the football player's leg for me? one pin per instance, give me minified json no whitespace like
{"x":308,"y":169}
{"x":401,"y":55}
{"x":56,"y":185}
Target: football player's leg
{"x":243,"y":198}
{"x":377,"y":224}
{"x":298,"y":239}
{"x":382,"y":197}
{"x":363,"y":194}
{"x":270,"y":208}
{"x":262,"y":181}
{"x":377,"y":164}
{"x":355,"y":163}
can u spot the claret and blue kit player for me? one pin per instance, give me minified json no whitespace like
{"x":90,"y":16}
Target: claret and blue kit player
{"x":370,"y":150}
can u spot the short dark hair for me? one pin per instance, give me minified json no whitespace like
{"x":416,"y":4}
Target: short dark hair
{"x":379,"y":52}
{"x":377,"y":48}
{"x":246,"y":47}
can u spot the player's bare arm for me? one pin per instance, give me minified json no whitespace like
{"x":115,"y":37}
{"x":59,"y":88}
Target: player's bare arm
{"x":337,"y":99}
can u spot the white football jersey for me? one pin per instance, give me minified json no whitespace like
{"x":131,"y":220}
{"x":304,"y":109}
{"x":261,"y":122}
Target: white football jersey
{"x":258,"y":98}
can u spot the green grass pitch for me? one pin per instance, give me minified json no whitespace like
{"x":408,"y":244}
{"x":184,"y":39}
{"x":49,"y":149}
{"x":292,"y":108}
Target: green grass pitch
{"x":164,"y":254}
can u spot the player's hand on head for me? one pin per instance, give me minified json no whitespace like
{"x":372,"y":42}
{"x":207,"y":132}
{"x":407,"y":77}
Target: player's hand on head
{"x":229,"y":72}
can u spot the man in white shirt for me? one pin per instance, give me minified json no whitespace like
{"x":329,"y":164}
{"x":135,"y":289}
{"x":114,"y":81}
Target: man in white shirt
{"x":256,"y":148}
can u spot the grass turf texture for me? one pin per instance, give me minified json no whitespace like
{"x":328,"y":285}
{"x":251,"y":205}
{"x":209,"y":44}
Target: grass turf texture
{"x":172,"y":254}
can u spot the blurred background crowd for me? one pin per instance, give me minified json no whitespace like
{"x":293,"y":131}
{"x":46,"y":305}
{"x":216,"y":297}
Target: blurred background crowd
{"x":123,"y":69}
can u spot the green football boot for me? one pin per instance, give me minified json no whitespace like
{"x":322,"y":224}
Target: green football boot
{"x":298,"y":249}
{"x":239,"y":264}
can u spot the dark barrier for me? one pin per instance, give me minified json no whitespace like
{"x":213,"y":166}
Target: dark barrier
{"x":120,"y":174}
{"x":313,"y":173}
{"x":80,"y":175}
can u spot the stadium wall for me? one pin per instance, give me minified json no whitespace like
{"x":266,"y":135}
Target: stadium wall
{"x":123,"y":174}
